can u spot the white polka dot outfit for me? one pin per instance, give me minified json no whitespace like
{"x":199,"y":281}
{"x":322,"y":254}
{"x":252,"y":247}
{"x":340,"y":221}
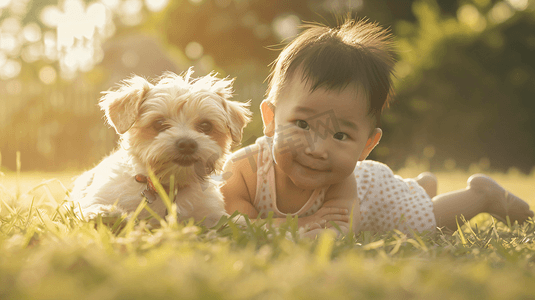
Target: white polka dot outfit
{"x":387,"y":201}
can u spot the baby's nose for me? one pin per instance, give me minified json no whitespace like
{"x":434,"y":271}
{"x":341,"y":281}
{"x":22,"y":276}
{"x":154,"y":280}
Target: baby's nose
{"x":317,"y":149}
{"x":186,"y":146}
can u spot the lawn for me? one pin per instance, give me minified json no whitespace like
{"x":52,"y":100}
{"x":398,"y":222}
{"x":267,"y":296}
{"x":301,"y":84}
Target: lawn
{"x":49,"y":254}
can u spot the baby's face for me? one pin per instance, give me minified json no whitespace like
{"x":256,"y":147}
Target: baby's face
{"x":320,"y":136}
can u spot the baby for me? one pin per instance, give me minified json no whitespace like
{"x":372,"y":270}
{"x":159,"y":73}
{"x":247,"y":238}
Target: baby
{"x":321,"y":120}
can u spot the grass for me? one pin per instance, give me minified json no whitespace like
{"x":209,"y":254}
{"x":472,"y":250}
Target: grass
{"x":46,"y":253}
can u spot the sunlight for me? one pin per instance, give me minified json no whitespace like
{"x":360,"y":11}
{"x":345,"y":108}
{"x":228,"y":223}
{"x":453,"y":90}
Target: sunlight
{"x":156,"y":5}
{"x":285,"y":26}
{"x":9,"y":42}
{"x":500,"y":12}
{"x":32,"y":32}
{"x":470,"y":16}
{"x":518,"y":4}
{"x":4,"y":3}
{"x":32,"y":52}
{"x":10,"y":45}
{"x":75,"y":23}
{"x":131,"y":12}
{"x":76,"y":34}
{"x":111,"y":4}
{"x":11,"y":25}
{"x":47,"y":75}
{"x":194,"y":50}
{"x":10,"y":69}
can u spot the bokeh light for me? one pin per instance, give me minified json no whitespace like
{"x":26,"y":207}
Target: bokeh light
{"x":4,"y":3}
{"x":285,"y":26}
{"x":31,"y":53}
{"x":10,"y":69}
{"x":500,"y":12}
{"x":156,"y":5}
{"x":111,"y":4}
{"x":47,"y":75}
{"x":131,"y":12}
{"x":518,"y":4}
{"x":194,"y":50}
{"x":32,"y":32}
{"x":469,"y":15}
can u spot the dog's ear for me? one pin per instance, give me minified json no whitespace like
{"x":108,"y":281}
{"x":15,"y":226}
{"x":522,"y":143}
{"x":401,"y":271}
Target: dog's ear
{"x":222,"y":87}
{"x":122,"y":106}
{"x":239,"y":115}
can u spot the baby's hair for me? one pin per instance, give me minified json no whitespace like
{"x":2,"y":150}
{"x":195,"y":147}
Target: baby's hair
{"x":332,"y":58}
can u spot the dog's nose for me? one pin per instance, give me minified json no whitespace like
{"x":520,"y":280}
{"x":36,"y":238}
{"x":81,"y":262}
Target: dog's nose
{"x":186,"y":146}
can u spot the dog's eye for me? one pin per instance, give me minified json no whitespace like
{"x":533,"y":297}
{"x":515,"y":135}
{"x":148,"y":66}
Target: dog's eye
{"x":205,"y":127}
{"x":160,"y":125}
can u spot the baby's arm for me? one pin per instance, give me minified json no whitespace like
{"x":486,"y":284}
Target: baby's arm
{"x":241,"y":182}
{"x":235,"y":190}
{"x":341,"y":197}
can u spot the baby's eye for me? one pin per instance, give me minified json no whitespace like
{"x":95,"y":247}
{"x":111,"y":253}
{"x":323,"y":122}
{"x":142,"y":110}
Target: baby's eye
{"x":302,"y":124}
{"x":340,"y":136}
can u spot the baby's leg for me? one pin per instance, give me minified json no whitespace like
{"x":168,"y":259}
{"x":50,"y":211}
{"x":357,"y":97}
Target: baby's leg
{"x":429,"y":182}
{"x":481,"y":195}
{"x":501,"y":202}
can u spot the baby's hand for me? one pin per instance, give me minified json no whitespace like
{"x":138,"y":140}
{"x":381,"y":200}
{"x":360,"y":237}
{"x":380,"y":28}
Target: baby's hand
{"x":323,"y":217}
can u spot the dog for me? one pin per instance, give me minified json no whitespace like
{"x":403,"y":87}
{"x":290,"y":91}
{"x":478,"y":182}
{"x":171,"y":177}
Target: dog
{"x":180,"y":129}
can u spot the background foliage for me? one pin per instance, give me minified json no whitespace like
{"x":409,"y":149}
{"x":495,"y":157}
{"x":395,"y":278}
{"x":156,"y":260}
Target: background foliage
{"x":465,"y":77}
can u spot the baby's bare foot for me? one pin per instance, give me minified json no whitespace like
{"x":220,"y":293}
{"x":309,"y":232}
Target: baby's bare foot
{"x":429,"y":182}
{"x":501,"y":203}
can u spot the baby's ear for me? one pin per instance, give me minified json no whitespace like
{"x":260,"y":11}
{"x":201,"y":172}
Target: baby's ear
{"x":372,"y":141}
{"x":122,"y":106}
{"x":239,"y":115}
{"x":268,"y":115}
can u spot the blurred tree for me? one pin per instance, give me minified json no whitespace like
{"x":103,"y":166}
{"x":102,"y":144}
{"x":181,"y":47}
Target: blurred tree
{"x":464,"y":88}
{"x":465,"y":70}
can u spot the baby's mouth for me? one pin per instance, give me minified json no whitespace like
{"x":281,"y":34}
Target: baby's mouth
{"x":309,"y":168}
{"x":313,"y":168}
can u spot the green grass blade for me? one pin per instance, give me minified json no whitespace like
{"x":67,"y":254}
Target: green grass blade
{"x":460,"y":232}
{"x":132,"y":220}
{"x":325,"y":247}
{"x":11,"y":210}
{"x":153,"y":213}
{"x":161,"y":191}
{"x":29,"y":213}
